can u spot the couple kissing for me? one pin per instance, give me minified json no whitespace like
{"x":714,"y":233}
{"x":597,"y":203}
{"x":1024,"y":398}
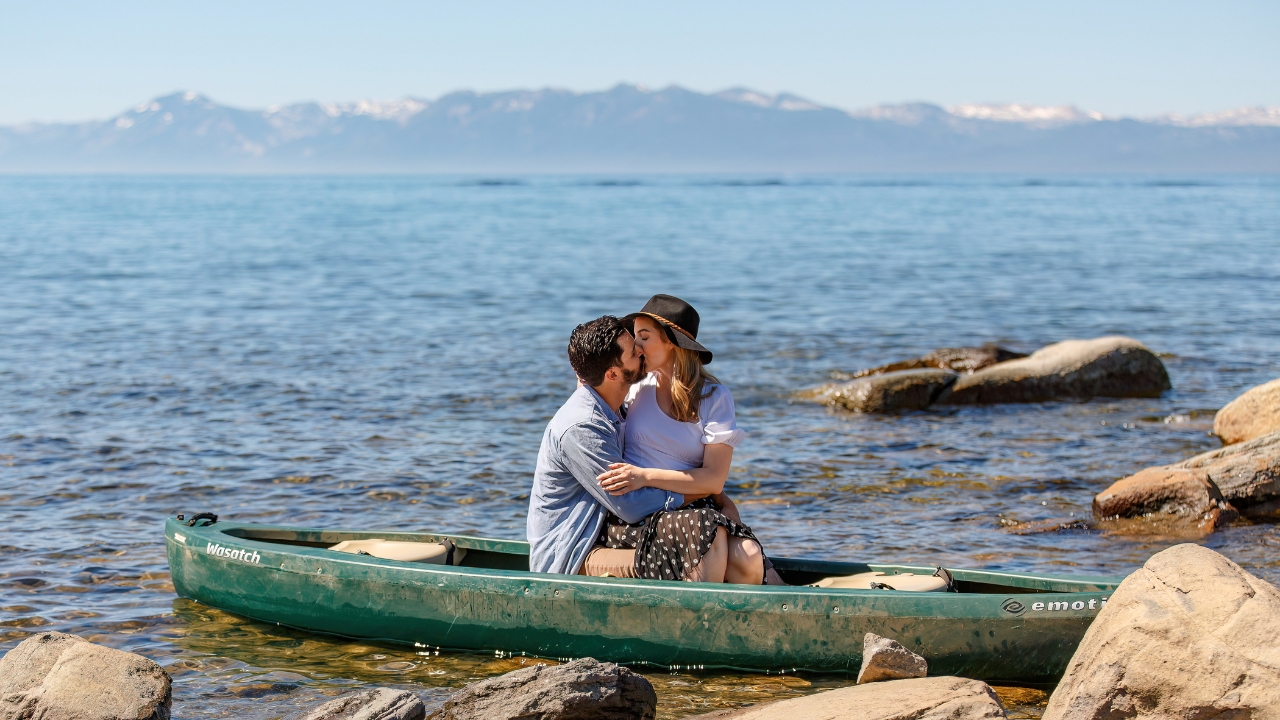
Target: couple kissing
{"x":642,"y":497}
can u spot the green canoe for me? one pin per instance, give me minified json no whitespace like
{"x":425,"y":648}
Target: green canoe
{"x":999,"y":626}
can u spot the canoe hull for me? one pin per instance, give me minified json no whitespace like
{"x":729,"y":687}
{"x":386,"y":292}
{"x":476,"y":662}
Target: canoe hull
{"x":676,"y":625}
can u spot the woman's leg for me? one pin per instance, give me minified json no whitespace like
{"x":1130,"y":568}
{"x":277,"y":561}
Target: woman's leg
{"x":711,"y":568}
{"x":746,"y":562}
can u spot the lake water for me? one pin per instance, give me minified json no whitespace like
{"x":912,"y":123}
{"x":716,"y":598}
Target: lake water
{"x":384,"y":352}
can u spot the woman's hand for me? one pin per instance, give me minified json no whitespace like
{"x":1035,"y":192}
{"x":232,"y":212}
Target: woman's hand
{"x":622,"y":478}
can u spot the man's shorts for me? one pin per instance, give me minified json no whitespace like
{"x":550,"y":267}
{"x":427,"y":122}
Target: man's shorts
{"x":609,"y":562}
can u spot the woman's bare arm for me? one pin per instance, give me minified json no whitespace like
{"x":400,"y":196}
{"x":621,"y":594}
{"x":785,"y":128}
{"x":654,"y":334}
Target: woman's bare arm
{"x":622,"y":478}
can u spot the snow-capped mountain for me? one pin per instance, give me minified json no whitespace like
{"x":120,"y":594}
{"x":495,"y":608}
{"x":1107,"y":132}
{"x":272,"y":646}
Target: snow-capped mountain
{"x":630,"y":128}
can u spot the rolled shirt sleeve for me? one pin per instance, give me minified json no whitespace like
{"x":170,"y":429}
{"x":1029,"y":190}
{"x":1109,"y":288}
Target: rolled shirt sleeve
{"x":719,"y":419}
{"x":588,"y":449}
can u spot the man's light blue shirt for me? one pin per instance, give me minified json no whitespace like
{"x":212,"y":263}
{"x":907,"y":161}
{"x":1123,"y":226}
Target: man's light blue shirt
{"x":567,"y":506}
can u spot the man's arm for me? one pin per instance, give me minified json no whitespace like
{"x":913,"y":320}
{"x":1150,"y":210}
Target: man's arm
{"x":588,"y":449}
{"x":709,"y":479}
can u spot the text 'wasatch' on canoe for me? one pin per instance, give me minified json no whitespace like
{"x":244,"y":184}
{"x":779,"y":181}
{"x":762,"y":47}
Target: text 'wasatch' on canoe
{"x":477,"y":594}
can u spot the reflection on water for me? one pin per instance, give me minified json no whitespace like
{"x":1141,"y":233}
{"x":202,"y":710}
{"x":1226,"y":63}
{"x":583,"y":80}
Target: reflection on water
{"x":385,"y":352}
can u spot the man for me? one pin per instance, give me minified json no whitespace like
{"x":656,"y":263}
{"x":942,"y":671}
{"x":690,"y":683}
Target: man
{"x":567,"y":506}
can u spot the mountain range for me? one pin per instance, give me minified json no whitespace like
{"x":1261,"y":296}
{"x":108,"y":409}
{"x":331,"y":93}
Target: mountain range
{"x":631,"y":129}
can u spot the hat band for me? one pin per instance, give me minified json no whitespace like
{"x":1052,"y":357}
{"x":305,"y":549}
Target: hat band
{"x":671,"y":324}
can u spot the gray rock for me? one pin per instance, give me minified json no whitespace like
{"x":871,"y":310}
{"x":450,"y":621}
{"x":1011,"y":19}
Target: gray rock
{"x":885,"y":659}
{"x":584,"y":689}
{"x":52,"y":676}
{"x":1103,"y":367}
{"x":373,"y":704}
{"x":962,"y":360}
{"x":903,"y":390}
{"x":1247,"y":474}
{"x":1189,"y":635}
{"x":1253,"y":414}
{"x":935,"y":698}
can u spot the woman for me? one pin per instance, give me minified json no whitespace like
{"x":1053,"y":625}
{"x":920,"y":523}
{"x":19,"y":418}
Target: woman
{"x":680,"y":435}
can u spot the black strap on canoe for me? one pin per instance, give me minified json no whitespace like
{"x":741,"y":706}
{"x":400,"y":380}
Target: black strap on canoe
{"x":449,"y":548}
{"x":946,"y":577}
{"x":201,"y":516}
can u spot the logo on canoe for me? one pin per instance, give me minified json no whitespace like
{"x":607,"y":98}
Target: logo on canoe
{"x":228,"y":553}
{"x":1014,"y":607}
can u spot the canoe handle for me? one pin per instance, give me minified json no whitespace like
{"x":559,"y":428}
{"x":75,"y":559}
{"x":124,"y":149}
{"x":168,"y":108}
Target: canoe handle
{"x":201,"y":516}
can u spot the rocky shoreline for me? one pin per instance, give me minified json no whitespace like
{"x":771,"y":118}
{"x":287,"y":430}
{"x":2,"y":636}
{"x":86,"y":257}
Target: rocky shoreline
{"x":1190,"y":634}
{"x":1197,"y":495}
{"x":1212,"y":489}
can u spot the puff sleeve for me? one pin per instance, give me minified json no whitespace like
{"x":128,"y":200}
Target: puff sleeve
{"x":719,"y":420}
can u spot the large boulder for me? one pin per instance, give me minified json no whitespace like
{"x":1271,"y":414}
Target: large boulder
{"x":1103,"y":367}
{"x":1253,"y":414}
{"x":1244,"y":477}
{"x":886,"y":659}
{"x":372,"y":704}
{"x":584,"y":689}
{"x":55,"y":676}
{"x":961,"y":360}
{"x":935,"y":698}
{"x":1189,"y":635}
{"x":902,"y":390}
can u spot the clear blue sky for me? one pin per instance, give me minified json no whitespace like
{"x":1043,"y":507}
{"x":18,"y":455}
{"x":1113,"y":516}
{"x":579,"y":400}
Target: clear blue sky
{"x":72,"y":61}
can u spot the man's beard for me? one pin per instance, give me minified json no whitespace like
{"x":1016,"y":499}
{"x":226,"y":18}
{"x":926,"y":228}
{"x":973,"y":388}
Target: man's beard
{"x":631,"y":377}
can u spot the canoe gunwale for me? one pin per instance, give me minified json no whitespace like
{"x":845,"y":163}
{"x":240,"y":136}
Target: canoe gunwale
{"x":1009,"y":581}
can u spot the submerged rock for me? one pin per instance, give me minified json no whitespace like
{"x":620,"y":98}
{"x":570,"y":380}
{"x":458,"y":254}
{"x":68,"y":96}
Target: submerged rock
{"x":903,"y":390}
{"x":374,"y":704}
{"x":1189,"y":635}
{"x":53,"y":676}
{"x":1210,"y":486}
{"x":1253,"y":414}
{"x":1103,"y":367}
{"x":1051,"y":525}
{"x":935,"y":698}
{"x":584,"y":689}
{"x":886,"y":659}
{"x":960,"y":360}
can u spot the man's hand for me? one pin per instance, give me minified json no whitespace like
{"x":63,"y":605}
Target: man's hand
{"x":622,"y":478}
{"x":727,"y":507}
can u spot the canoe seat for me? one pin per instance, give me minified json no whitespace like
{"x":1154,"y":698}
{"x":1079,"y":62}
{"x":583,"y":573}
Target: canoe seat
{"x":906,"y":582}
{"x":434,"y":553}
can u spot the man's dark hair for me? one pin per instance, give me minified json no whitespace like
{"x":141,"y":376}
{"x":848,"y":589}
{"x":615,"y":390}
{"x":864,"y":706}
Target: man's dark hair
{"x":593,"y":348}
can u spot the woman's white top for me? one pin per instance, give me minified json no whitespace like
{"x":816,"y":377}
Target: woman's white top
{"x":653,"y":439}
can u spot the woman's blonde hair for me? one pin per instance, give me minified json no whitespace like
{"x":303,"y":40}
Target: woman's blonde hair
{"x":689,"y":379}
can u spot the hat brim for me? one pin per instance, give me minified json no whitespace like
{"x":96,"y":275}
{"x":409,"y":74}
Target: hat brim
{"x":681,"y":339}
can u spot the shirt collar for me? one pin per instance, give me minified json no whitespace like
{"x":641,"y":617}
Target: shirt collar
{"x":609,"y":414}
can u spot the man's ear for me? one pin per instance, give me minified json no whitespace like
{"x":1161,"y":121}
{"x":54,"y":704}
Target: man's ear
{"x":612,"y":374}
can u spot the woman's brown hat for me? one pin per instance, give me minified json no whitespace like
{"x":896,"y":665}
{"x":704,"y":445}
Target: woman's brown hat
{"x":677,"y":315}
